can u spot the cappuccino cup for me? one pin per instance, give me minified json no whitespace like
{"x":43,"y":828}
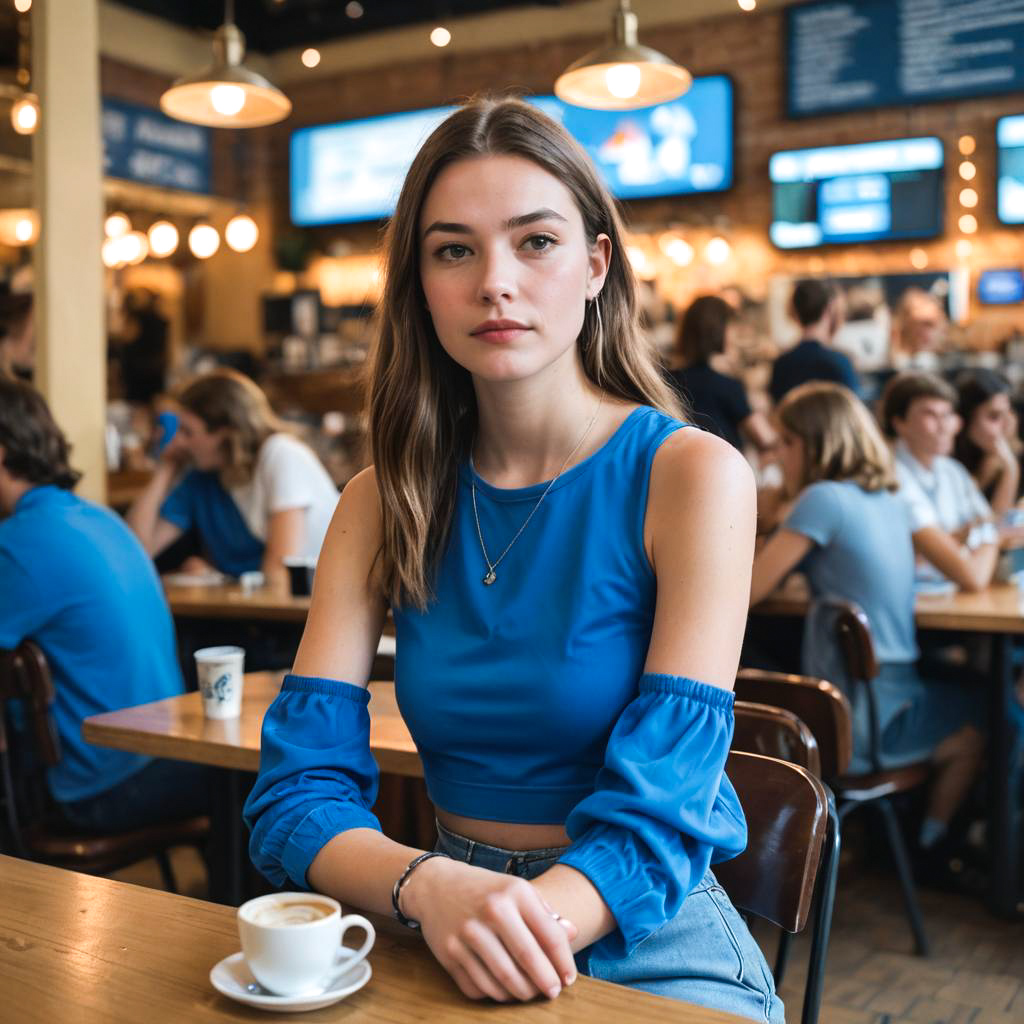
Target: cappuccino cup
{"x":220,"y":680}
{"x":292,"y":941}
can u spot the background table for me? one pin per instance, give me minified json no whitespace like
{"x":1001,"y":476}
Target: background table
{"x":95,"y":951}
{"x":997,"y":612}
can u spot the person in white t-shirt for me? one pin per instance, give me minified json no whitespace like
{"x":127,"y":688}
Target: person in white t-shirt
{"x":951,"y":521}
{"x":254,"y":493}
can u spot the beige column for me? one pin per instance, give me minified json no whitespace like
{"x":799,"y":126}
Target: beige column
{"x":67,"y":168}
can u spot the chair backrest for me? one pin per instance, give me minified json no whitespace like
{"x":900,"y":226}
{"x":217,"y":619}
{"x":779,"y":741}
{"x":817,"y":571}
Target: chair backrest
{"x":822,"y":707}
{"x":775,"y":732}
{"x":787,"y":811}
{"x":25,"y":676}
{"x":853,"y":631}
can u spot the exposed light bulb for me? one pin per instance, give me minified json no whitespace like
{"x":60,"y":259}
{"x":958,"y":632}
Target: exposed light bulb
{"x":241,"y":233}
{"x":963,"y":249}
{"x":25,"y":114}
{"x":23,"y":6}
{"x":204,"y":241}
{"x":163,"y":238}
{"x":968,"y":170}
{"x":747,"y":5}
{"x":110,"y":253}
{"x":354,"y":9}
{"x":680,"y":252}
{"x":227,"y":100}
{"x":637,"y":257}
{"x":717,"y":251}
{"x":968,"y":223}
{"x":310,"y":57}
{"x":968,"y":198}
{"x":967,"y":144}
{"x":129,"y":247}
{"x":440,"y":36}
{"x":116,"y":225}
{"x":918,"y":258}
{"x":623,"y":80}
{"x":24,"y":229}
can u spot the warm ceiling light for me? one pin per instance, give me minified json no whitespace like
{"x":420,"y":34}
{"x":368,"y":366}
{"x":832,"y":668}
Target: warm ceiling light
{"x":967,"y":144}
{"x":23,"y":6}
{"x":110,"y":253}
{"x":918,"y":259}
{"x":677,"y":249}
{"x":18,"y":227}
{"x":637,"y":257}
{"x":622,"y":75}
{"x":204,"y":241}
{"x":963,"y":248}
{"x":132,"y":247}
{"x":968,"y":170}
{"x":747,"y":5}
{"x":354,"y":9}
{"x":116,"y":225}
{"x":24,"y":229}
{"x":440,"y":36}
{"x":310,"y":57}
{"x":25,"y":114}
{"x":968,"y":223}
{"x":241,"y":233}
{"x":163,"y":238}
{"x":717,"y":251}
{"x":968,"y":198}
{"x":226,"y":94}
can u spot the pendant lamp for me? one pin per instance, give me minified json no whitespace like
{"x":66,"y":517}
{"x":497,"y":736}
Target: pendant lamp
{"x":622,"y":74}
{"x":226,"y":94}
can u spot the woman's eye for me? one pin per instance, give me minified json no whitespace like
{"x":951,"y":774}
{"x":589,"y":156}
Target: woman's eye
{"x":539,"y":243}
{"x":452,"y":251}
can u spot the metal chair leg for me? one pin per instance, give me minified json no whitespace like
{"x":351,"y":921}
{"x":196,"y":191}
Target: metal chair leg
{"x":167,"y":872}
{"x":822,"y":926}
{"x":782,"y":957}
{"x":899,"y":852}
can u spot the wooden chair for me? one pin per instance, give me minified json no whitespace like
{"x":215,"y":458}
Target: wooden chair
{"x":791,"y":853}
{"x":775,"y":732}
{"x":826,"y":711}
{"x":35,"y":830}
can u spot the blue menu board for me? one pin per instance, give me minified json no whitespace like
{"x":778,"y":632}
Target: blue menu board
{"x":1010,"y":140}
{"x":856,"y":54}
{"x":142,"y":144}
{"x":354,"y":170}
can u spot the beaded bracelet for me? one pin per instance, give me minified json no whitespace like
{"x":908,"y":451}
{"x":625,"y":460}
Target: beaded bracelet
{"x":402,"y":879}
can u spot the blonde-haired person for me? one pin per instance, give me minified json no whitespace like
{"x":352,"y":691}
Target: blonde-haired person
{"x":850,"y":533}
{"x":569,"y":575}
{"x":254,"y":493}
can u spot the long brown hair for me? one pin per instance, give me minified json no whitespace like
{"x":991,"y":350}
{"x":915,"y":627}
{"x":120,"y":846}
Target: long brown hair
{"x":841,"y":439}
{"x":423,"y":414}
{"x":224,"y":398}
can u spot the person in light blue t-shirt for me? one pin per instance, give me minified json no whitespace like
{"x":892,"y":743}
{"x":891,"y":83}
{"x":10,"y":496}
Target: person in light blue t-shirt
{"x":74,"y":580}
{"x":850,"y":533}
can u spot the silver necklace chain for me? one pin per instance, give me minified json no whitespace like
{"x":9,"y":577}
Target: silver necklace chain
{"x":490,"y":576}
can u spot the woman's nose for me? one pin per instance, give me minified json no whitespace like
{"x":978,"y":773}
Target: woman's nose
{"x":497,"y":278}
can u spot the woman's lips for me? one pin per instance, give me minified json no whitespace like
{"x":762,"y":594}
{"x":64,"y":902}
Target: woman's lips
{"x":500,"y":335}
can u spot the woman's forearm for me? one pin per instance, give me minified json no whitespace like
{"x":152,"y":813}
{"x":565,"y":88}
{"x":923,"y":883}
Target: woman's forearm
{"x":574,"y":896}
{"x":144,"y":512}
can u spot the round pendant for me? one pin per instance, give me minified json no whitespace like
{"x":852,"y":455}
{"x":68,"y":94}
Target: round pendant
{"x":490,"y":577}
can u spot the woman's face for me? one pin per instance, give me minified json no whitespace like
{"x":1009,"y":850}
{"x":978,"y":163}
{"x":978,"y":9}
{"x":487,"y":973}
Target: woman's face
{"x":991,"y":422}
{"x":506,"y":267}
{"x":930,"y":426}
{"x":792,"y":454}
{"x":205,"y":447}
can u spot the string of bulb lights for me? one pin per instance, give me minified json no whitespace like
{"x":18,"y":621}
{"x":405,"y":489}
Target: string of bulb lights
{"x":125,"y":246}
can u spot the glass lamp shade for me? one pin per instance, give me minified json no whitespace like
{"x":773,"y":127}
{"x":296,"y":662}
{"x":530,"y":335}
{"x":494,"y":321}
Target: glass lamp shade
{"x":622,"y":75}
{"x":227,"y":94}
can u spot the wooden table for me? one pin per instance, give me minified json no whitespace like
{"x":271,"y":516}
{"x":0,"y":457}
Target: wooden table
{"x":176,"y":728}
{"x":231,"y":601}
{"x":74,"y":947}
{"x":997,"y":612}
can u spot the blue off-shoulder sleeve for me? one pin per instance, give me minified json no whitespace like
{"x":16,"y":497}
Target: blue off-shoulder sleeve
{"x":662,"y":810}
{"x":317,"y":776}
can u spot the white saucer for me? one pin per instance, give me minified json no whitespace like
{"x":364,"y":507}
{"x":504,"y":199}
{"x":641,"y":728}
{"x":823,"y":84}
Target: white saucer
{"x":231,"y":977}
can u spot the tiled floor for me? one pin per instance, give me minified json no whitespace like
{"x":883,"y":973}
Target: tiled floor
{"x":975,"y":974}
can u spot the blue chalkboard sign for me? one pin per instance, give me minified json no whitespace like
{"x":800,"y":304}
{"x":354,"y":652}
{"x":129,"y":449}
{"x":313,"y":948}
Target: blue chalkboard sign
{"x":142,"y":144}
{"x":857,"y":54}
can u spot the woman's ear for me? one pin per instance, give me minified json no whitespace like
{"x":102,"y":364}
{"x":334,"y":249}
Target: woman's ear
{"x":600,"y":261}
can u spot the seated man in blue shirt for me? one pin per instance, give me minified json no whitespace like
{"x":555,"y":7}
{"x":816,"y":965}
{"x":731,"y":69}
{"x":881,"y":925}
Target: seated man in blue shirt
{"x":76,"y":581}
{"x":819,"y":309}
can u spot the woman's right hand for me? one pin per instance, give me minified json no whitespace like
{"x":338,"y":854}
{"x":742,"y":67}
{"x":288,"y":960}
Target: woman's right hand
{"x":176,"y":454}
{"x":493,"y":933}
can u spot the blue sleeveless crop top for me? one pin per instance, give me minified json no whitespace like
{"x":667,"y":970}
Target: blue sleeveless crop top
{"x":511,"y":691}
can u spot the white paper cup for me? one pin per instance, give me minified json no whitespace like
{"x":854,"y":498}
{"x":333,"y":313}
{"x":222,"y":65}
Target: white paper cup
{"x":305,"y":955}
{"x":220,"y":680}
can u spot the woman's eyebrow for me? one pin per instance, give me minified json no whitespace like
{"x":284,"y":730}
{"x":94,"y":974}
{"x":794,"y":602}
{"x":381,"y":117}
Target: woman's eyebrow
{"x":454,"y":228}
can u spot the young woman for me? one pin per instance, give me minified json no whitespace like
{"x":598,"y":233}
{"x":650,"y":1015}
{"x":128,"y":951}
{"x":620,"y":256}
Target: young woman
{"x":718,"y":402}
{"x":569,"y":575}
{"x":851,"y":535}
{"x":988,"y":432}
{"x":254,"y":493}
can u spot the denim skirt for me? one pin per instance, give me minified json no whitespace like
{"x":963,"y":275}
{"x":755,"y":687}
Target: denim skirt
{"x":705,"y":955}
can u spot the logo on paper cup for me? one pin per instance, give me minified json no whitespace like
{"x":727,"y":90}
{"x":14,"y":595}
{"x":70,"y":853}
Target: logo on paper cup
{"x":218,"y":689}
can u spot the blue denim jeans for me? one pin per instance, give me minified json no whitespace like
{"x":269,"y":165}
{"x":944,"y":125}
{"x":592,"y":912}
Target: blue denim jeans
{"x":705,"y":955}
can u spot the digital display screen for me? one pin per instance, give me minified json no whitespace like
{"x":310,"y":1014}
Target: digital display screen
{"x":354,"y":170}
{"x":868,"y":192}
{"x":1010,"y":141}
{"x":1001,"y":287}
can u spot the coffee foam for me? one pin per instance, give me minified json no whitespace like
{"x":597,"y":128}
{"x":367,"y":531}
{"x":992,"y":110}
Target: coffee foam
{"x":280,"y":915}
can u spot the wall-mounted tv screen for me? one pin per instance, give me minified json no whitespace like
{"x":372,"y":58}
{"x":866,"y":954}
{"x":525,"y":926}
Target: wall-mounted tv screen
{"x":1010,"y":141}
{"x":1001,"y":287}
{"x":862,"y":193}
{"x":354,"y":170}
